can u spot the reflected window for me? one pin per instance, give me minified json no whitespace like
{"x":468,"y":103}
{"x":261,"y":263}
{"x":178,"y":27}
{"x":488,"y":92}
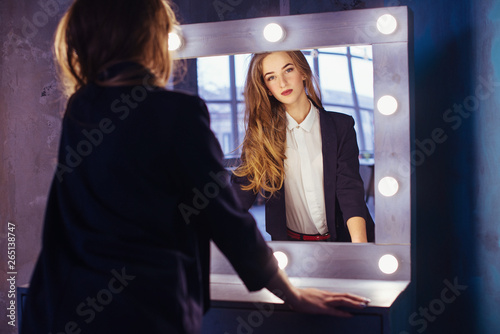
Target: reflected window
{"x":345,"y":76}
{"x":220,"y":83}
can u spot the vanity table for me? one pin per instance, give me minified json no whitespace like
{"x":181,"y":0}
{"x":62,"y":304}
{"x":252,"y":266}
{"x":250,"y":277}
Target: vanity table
{"x":235,"y":310}
{"x":261,"y":312}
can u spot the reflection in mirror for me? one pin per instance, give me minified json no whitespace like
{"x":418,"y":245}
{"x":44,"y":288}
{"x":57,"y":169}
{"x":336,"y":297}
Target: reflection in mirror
{"x":345,"y":76}
{"x":394,"y":132}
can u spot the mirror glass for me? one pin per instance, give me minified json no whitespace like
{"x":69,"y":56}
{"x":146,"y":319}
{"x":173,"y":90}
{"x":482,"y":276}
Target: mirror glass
{"x":393,"y":133}
{"x":345,"y":77}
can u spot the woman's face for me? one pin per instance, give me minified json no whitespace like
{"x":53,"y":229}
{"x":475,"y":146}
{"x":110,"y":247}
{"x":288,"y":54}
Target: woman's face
{"x":283,"y":79}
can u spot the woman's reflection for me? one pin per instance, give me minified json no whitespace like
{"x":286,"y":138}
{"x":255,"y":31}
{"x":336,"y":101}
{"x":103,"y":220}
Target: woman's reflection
{"x":303,"y":159}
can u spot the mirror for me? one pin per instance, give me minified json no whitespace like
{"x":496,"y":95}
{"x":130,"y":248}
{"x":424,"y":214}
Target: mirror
{"x":345,"y":78}
{"x":393,"y":132}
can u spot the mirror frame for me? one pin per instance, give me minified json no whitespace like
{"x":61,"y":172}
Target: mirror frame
{"x":394,"y":135}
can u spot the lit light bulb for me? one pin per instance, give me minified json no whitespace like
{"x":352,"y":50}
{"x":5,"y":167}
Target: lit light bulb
{"x":388,"y":186}
{"x":387,"y":105}
{"x":387,"y":24}
{"x":174,"y":41}
{"x":388,"y":264}
{"x":282,"y":259}
{"x":273,"y":32}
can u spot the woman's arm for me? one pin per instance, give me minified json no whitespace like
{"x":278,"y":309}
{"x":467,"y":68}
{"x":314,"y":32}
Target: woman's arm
{"x":350,"y":190}
{"x":357,"y":229}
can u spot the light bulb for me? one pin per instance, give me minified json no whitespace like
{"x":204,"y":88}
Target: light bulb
{"x":282,"y":259}
{"x":388,"y":264}
{"x":388,"y":186}
{"x":273,"y":32}
{"x":387,"y":105}
{"x":174,"y":41}
{"x":387,"y":24}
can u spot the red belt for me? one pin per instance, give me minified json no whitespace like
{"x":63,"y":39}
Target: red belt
{"x":307,"y":237}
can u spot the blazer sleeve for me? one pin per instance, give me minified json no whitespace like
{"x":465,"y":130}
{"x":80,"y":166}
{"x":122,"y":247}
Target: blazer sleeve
{"x":350,"y":190}
{"x":211,"y":200}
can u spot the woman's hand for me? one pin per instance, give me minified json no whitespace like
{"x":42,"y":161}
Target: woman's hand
{"x":313,"y":300}
{"x":323,"y":302}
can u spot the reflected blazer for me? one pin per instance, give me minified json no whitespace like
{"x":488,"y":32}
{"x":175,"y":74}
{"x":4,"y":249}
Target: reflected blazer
{"x":343,"y":186}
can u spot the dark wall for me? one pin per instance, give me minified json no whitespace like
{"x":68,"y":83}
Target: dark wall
{"x":445,"y":78}
{"x":485,"y":276}
{"x":196,"y":11}
{"x":306,"y":7}
{"x":456,"y":76}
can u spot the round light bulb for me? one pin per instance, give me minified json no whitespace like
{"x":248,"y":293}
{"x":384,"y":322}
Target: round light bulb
{"x":174,"y":41}
{"x":387,"y":24}
{"x":282,"y":259}
{"x":388,"y":264}
{"x":387,"y":105}
{"x":388,"y":186}
{"x":273,"y":32}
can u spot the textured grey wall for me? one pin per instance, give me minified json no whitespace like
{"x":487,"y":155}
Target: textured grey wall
{"x":30,"y":113}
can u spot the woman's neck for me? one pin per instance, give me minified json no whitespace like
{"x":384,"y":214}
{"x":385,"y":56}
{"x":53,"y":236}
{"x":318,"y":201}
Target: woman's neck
{"x":299,"y":110}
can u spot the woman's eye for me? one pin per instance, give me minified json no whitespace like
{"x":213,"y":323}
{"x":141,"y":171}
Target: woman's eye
{"x":288,"y":70}
{"x":271,"y":77}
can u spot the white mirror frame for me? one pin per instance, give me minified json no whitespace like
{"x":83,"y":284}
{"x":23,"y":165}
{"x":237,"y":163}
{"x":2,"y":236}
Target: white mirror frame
{"x":393,"y":133}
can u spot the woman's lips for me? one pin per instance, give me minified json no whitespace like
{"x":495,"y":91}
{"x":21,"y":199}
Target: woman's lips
{"x":287,"y":92}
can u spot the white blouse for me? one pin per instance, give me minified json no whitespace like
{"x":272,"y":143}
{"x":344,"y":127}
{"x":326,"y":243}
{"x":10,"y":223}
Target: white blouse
{"x":304,"y":192}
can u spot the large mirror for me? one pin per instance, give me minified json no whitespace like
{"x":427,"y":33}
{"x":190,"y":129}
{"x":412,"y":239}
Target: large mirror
{"x":345,"y":79}
{"x":384,"y":32}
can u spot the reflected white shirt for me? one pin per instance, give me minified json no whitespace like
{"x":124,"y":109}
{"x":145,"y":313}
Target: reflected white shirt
{"x":304,"y":192}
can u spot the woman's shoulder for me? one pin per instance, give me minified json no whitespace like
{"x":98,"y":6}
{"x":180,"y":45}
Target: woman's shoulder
{"x":338,"y":117}
{"x":182,"y":106}
{"x":136,"y":93}
{"x":175,"y":102}
{"x":176,"y":96}
{"x":123,"y":100}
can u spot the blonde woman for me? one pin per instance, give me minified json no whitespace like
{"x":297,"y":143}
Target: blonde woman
{"x":126,"y":241}
{"x":303,"y":159}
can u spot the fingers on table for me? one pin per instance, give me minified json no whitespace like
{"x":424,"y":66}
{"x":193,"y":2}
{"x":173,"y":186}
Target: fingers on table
{"x":347,"y":300}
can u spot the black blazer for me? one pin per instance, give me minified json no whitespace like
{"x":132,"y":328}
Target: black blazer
{"x":139,"y":191}
{"x":343,"y":186}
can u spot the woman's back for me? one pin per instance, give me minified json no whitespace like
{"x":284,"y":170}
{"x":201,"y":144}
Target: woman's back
{"x":117,"y":243}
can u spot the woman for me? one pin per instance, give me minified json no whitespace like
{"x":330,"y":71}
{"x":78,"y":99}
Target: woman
{"x":302,"y":158}
{"x":139,"y":190}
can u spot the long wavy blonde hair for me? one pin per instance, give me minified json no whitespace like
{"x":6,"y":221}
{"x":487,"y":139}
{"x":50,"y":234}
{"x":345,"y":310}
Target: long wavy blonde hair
{"x":263,"y":148}
{"x":96,"y":34}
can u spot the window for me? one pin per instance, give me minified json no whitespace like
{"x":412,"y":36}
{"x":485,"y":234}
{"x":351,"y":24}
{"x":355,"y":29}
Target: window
{"x":220,"y":83}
